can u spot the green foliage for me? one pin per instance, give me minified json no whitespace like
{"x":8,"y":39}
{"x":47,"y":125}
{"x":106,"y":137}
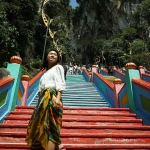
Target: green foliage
{"x":54,"y":9}
{"x":98,"y":44}
{"x":22,"y":29}
{"x":36,"y":63}
{"x":142,"y":58}
{"x":32,"y":68}
{"x":18,"y":26}
{"x":143,"y":9}
{"x":39,"y":36}
{"x":25,"y":71}
{"x":114,"y":36}
{"x":129,"y":34}
{"x":113,"y":51}
{"x":8,"y":34}
{"x":113,"y":45}
{"x":138,"y":46}
{"x":60,"y":35}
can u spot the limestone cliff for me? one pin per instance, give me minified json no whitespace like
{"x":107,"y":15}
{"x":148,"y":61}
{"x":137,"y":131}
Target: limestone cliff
{"x":110,"y":18}
{"x":95,"y":19}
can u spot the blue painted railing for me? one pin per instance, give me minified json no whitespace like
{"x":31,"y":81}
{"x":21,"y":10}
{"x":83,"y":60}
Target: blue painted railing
{"x":20,"y":94}
{"x":141,"y":91}
{"x":33,"y":87}
{"x":6,"y":85}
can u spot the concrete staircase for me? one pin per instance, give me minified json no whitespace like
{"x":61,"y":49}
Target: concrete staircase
{"x":75,"y":78}
{"x":88,"y":123}
{"x":83,"y":129}
{"x":80,"y":94}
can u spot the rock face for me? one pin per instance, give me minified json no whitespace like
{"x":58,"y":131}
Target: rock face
{"x":101,"y":22}
{"x":95,"y":20}
{"x":4,"y":73}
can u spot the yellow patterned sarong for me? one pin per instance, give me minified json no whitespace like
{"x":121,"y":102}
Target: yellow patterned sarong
{"x":45,"y":122}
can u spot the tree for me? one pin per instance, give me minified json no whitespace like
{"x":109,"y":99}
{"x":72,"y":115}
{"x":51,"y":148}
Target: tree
{"x":114,"y":51}
{"x":8,"y":34}
{"x":129,"y":34}
{"x":138,"y":46}
{"x":21,"y":16}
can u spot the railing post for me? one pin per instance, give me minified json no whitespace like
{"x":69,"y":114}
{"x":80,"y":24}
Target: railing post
{"x":94,"y":69}
{"x":117,"y":87}
{"x":141,"y":70}
{"x":25,"y":81}
{"x":15,"y":71}
{"x":129,"y":74}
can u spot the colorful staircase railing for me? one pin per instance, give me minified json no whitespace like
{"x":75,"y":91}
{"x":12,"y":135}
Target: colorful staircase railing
{"x":125,"y":94}
{"x":133,"y":93}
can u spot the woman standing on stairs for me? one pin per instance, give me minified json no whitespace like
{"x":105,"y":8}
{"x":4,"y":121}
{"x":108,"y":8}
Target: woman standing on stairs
{"x":46,"y":121}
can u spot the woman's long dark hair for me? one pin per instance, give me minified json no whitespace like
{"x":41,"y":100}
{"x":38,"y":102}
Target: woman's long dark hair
{"x":45,"y":62}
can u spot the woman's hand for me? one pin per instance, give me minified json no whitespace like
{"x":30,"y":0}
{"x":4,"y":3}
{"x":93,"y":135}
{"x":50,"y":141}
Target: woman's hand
{"x":57,"y":103}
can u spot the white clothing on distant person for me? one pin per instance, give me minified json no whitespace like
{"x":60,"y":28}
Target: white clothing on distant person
{"x":70,"y":70}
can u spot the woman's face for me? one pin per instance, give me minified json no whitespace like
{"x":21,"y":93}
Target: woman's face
{"x":52,"y":57}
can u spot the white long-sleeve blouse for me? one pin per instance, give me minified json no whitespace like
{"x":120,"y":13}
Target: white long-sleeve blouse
{"x":53,"y":79}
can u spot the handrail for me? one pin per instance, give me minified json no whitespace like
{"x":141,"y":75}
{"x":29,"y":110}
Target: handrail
{"x":36,"y":77}
{"x":141,"y":94}
{"x":142,"y":83}
{"x":5,"y":94}
{"x":5,"y":81}
{"x":86,"y":75}
{"x":111,"y":85}
{"x":147,"y":71}
{"x":33,"y":87}
{"x":106,"y":87}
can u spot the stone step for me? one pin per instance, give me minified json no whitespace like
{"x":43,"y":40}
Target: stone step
{"x":91,"y":112}
{"x":86,"y":105}
{"x":79,"y":116}
{"x":82,"y":129}
{"x":80,"y":95}
{"x":107,"y":144}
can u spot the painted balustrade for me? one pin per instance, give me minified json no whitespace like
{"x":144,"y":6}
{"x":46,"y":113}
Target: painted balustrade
{"x":133,"y":94}
{"x":144,"y":74}
{"x":86,"y":75}
{"x":147,"y":71}
{"x":120,"y":94}
{"x":104,"y":72}
{"x":21,"y":91}
{"x":6,"y":86}
{"x":146,"y":77}
{"x":130,"y":73}
{"x":119,"y":74}
{"x":130,"y":89}
{"x":25,"y":82}
{"x":123,"y":101}
{"x":17,"y":90}
{"x":15,"y":69}
{"x":33,"y":87}
{"x":104,"y":87}
{"x":141,"y":92}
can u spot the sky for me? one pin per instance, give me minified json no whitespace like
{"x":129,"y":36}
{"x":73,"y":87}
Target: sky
{"x":73,"y":3}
